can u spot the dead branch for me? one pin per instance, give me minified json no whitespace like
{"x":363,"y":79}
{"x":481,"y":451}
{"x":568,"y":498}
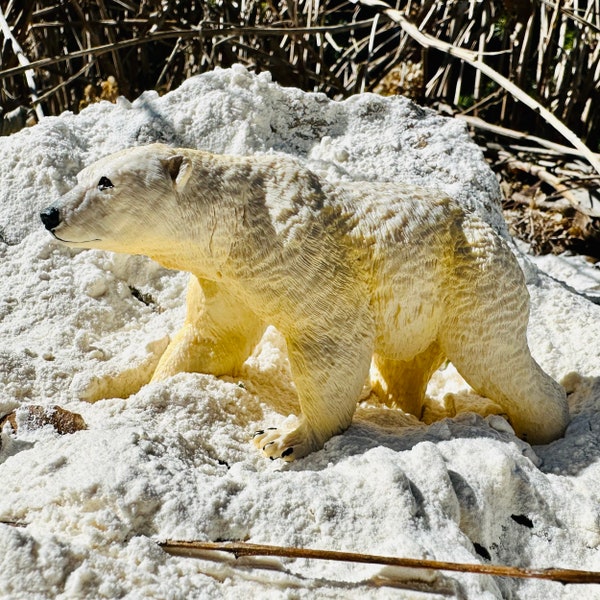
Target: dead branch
{"x":199,"y":549}
{"x":579,"y":199}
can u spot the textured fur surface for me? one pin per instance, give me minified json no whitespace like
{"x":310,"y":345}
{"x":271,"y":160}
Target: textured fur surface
{"x":361,"y":276}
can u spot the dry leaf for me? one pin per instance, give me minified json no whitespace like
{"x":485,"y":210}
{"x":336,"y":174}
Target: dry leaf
{"x":38,"y":416}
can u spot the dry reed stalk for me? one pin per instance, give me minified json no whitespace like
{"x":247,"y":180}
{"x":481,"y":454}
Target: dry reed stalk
{"x":24,"y":62}
{"x":519,"y":135}
{"x":199,"y":32}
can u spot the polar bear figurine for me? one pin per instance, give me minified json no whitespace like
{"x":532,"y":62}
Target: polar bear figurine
{"x":350,"y":273}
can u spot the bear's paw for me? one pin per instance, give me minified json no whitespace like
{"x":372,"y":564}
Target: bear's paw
{"x":293,"y":440}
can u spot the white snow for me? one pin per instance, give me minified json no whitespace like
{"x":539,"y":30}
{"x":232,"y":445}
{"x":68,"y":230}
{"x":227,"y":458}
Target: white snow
{"x":172,"y":460}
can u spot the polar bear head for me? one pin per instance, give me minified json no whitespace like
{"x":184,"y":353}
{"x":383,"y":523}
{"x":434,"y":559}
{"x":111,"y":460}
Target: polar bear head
{"x":123,"y":202}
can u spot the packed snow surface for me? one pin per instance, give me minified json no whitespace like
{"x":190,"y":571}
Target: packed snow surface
{"x":172,"y":460}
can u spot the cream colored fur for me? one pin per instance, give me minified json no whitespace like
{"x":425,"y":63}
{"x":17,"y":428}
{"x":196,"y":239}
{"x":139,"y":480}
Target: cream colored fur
{"x":351,"y":274}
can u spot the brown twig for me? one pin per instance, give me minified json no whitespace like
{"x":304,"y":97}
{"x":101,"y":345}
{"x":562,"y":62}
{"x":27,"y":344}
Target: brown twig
{"x":198,"y":550}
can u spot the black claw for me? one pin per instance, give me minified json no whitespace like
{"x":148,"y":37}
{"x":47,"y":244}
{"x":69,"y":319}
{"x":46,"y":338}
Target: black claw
{"x":271,"y":428}
{"x":267,"y":445}
{"x":259,"y":432}
{"x":287,"y":452}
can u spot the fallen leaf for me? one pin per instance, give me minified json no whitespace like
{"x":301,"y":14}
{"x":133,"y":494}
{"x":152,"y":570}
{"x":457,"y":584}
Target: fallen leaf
{"x":38,"y":416}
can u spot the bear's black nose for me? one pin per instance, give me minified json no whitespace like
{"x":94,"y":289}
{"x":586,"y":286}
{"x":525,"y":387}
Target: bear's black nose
{"x":50,"y":218}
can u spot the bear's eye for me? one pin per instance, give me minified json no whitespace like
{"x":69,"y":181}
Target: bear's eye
{"x":105,"y":183}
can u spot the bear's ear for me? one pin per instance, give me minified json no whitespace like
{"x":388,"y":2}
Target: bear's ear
{"x":179,"y":169}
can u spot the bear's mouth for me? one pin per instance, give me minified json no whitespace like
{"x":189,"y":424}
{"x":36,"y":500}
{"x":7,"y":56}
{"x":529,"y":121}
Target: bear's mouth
{"x":75,"y":241}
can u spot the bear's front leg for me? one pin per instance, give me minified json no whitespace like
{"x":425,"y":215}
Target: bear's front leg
{"x":329,"y":368}
{"x":218,"y":335}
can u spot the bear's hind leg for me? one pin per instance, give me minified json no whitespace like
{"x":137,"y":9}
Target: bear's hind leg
{"x":218,"y":335}
{"x":501,"y":368}
{"x":484,"y":334}
{"x":402,"y":384}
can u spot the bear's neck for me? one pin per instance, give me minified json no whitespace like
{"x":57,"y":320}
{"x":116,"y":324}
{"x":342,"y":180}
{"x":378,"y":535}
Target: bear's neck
{"x":211,"y":215}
